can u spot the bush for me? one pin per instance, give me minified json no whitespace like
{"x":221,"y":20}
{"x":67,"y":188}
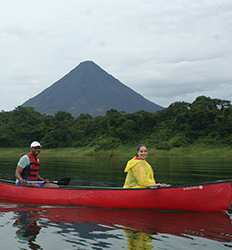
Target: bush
{"x":106,"y":143}
{"x":208,"y":140}
{"x":163,"y":145}
{"x":178,"y":141}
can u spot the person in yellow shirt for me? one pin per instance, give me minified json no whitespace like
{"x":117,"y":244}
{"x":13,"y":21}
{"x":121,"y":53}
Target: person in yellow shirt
{"x":139,"y":171}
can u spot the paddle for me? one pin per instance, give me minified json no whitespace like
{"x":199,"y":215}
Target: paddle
{"x":159,"y":185}
{"x":62,"y":181}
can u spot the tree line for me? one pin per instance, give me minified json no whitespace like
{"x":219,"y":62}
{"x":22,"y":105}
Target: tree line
{"x":205,"y":120}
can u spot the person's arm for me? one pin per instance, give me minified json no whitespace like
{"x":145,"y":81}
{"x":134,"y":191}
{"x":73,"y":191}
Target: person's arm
{"x":21,"y":165}
{"x":18,"y":174}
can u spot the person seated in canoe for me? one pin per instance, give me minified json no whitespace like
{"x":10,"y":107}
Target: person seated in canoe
{"x":27,"y":170}
{"x":139,"y":171}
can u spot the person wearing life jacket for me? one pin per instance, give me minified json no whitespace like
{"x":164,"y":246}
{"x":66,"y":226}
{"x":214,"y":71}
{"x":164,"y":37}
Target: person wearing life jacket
{"x":27,"y":170}
{"x":139,"y":171}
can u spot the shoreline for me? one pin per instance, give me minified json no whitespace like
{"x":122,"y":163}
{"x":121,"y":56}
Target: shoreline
{"x":125,"y":151}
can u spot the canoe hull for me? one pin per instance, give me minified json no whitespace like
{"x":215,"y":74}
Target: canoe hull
{"x":205,"y":197}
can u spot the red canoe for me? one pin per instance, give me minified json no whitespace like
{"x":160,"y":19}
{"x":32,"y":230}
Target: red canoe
{"x":216,"y":196}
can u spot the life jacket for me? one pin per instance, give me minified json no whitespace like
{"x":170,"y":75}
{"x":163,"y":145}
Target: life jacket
{"x":31,"y":172}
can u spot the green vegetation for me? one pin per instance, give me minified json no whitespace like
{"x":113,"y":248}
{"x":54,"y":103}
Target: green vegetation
{"x":124,"y":152}
{"x":206,"y":121}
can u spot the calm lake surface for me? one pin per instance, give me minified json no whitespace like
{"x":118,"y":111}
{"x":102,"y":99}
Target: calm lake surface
{"x":35,"y":227}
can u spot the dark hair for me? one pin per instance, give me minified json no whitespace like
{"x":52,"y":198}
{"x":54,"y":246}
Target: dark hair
{"x":138,"y":148}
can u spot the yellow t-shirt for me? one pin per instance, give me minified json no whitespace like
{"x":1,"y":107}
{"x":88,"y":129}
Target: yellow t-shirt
{"x":139,"y":174}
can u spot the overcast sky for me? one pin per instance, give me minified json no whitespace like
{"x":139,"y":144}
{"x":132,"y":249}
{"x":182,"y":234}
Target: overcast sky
{"x":173,"y":50}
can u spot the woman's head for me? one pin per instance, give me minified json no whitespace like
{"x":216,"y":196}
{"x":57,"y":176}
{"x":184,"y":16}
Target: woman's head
{"x":142,"y":151}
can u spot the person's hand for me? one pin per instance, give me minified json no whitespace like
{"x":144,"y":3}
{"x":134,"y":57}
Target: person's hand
{"x":44,"y":179}
{"x":21,"y":181}
{"x":158,"y":185}
{"x":163,"y":185}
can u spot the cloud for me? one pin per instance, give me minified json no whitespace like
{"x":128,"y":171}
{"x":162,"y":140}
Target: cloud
{"x":167,"y":52}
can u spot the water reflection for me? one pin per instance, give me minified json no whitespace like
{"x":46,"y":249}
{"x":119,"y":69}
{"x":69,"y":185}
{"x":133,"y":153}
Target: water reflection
{"x":97,"y":228}
{"x":27,"y":227}
{"x":138,"y":240}
{"x":216,"y":226}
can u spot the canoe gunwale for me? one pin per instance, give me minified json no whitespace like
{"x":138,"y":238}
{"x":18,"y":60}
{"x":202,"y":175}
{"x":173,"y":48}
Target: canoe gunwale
{"x":72,"y":187}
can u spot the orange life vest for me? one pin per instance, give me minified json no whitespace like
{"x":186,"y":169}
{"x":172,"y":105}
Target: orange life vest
{"x":31,"y":172}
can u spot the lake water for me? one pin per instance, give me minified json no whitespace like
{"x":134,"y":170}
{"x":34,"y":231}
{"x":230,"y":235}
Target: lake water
{"x":35,"y":227}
